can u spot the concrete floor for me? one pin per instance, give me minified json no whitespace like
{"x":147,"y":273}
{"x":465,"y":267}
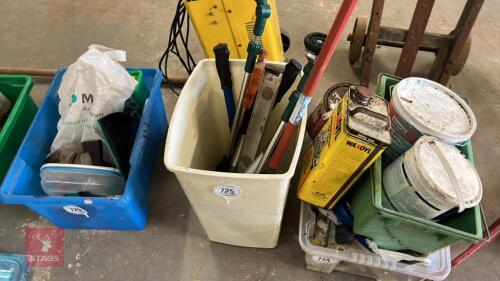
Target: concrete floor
{"x":53,"y":34}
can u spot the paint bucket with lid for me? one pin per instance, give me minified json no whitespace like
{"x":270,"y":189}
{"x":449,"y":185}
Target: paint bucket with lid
{"x":430,"y":179}
{"x":423,"y":107}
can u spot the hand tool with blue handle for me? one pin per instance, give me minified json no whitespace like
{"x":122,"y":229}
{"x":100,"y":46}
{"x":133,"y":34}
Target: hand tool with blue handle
{"x":222,"y":63}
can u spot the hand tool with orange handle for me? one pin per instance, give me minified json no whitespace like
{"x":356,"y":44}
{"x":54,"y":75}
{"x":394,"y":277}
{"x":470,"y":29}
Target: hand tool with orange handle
{"x":261,"y":110}
{"x":248,"y":100}
{"x":262,"y":13}
{"x":254,"y":81}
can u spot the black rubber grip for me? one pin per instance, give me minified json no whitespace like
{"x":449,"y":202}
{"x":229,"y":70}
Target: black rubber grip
{"x":292,"y":69}
{"x":222,"y":63}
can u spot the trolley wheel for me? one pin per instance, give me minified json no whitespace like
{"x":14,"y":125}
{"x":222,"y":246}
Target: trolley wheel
{"x":357,"y":39}
{"x":314,"y":42}
{"x":455,"y":67}
{"x":285,"y":40}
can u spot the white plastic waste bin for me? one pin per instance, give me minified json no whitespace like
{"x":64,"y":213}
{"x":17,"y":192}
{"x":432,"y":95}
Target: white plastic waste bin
{"x":251,"y":211}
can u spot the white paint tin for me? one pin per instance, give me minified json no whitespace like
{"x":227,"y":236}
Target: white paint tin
{"x":420,"y":183}
{"x":419,"y":107}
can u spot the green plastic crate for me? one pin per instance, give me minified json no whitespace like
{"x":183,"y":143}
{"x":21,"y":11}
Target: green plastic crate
{"x":17,"y":89}
{"x":141,"y":92}
{"x":393,"y":230}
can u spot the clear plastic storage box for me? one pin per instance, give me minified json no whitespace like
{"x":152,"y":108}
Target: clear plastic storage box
{"x":357,"y":261}
{"x":63,"y":179}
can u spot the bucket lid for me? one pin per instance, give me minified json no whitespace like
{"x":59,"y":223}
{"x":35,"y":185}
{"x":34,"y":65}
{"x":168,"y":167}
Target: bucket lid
{"x":435,"y":173}
{"x":434,"y":109}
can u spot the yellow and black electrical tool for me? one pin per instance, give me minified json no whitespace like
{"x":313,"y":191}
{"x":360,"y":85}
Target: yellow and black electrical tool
{"x":232,"y":22}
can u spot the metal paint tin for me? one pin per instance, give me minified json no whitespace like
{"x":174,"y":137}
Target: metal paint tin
{"x":323,"y":111}
{"x":349,"y":142}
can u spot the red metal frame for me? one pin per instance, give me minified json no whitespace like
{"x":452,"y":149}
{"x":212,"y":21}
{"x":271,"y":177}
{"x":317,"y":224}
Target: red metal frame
{"x":332,"y":40}
{"x":494,"y":233}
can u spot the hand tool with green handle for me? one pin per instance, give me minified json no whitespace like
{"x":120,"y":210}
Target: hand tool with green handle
{"x":292,"y":101}
{"x":262,"y":12}
{"x":292,"y":69}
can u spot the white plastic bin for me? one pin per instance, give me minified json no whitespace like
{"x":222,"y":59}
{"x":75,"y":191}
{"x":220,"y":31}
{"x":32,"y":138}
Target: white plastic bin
{"x":360,"y":262}
{"x":197,"y":139}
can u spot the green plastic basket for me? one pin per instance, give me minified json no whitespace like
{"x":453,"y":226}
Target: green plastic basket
{"x":393,"y":230}
{"x":141,"y":92}
{"x":17,"y":89}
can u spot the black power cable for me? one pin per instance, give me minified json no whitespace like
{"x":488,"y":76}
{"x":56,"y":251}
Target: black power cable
{"x":176,"y":32}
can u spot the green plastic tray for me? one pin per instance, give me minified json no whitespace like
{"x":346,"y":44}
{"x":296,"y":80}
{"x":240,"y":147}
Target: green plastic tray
{"x":141,"y":92}
{"x":17,"y":89}
{"x":393,"y":230}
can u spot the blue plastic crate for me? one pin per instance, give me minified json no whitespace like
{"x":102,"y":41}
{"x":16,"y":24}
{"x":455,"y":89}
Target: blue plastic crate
{"x":126,"y":212}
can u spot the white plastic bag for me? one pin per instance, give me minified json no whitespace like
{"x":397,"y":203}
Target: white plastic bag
{"x":92,"y":87}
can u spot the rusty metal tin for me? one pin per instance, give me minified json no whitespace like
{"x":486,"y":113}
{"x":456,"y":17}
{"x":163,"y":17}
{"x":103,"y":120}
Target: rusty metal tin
{"x":320,"y":114}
